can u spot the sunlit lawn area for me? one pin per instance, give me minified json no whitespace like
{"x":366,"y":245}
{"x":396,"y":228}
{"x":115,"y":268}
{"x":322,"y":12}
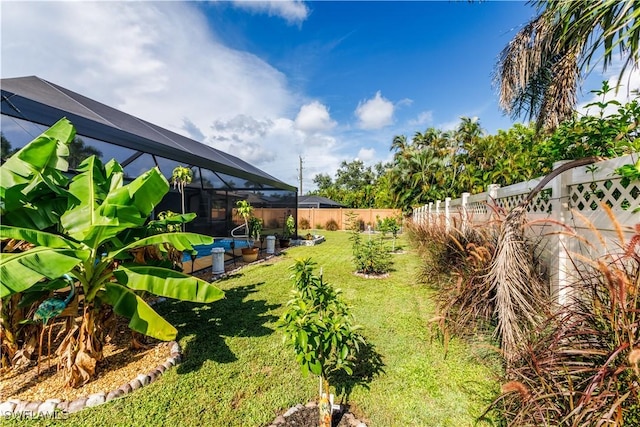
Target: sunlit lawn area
{"x":238,"y":372}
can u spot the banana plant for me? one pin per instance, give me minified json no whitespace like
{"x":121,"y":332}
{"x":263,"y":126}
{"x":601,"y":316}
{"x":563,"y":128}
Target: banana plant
{"x":93,"y":244}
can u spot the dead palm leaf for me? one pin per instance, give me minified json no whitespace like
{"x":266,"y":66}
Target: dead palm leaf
{"x":518,"y":298}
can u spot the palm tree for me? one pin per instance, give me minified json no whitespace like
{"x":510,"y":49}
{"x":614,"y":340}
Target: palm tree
{"x":539,"y":71}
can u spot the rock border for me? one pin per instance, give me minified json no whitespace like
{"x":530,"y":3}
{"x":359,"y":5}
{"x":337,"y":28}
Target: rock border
{"x":317,"y":239}
{"x":56,"y":408}
{"x":351,"y":420}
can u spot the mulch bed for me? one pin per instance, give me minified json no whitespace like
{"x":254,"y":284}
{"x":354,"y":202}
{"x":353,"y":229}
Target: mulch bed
{"x":119,"y":365}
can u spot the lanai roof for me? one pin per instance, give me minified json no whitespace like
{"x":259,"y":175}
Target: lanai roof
{"x":39,"y":101}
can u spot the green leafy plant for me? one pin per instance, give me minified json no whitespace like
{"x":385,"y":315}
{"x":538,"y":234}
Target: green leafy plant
{"x":289,"y":227}
{"x":255,"y":227}
{"x":245,"y":210}
{"x":99,"y":228}
{"x":389,"y":225}
{"x":170,"y":222}
{"x":318,"y":324}
{"x":370,"y":256}
{"x":631,"y":173}
{"x":180,"y":177}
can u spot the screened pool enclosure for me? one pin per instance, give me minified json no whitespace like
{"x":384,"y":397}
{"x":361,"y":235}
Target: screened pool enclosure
{"x":31,"y":104}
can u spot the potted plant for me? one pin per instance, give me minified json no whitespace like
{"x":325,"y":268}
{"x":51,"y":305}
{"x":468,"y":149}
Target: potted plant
{"x":317,"y":323}
{"x":245,"y":210}
{"x":287,"y":232}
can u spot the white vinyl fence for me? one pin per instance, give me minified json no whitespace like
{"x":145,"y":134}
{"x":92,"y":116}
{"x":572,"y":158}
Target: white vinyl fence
{"x":573,"y":198}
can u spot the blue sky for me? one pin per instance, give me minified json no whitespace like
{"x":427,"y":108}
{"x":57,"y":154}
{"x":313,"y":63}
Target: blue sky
{"x":271,"y":81}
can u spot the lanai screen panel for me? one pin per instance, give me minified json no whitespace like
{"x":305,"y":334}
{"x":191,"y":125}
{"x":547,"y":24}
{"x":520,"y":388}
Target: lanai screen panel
{"x":30,"y":105}
{"x":39,"y":101}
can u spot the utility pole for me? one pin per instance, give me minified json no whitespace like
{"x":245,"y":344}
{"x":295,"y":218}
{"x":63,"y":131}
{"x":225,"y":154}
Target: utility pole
{"x":300,"y":178}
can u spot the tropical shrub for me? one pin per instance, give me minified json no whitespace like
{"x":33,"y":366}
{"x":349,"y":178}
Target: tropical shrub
{"x":289,"y":227}
{"x":370,"y":256}
{"x":304,"y":224}
{"x":255,"y":227}
{"x":331,"y":225}
{"x":581,"y":366}
{"x":459,"y":258}
{"x":318,"y":324}
{"x":389,"y":225}
{"x":88,"y":227}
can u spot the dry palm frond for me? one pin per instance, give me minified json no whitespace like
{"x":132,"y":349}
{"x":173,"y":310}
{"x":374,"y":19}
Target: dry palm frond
{"x":580,"y":365}
{"x":518,"y":298}
{"x":560,"y":94}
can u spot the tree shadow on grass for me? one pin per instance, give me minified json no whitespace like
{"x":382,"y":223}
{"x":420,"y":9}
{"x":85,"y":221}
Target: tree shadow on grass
{"x":368,"y":365}
{"x":207,"y":325}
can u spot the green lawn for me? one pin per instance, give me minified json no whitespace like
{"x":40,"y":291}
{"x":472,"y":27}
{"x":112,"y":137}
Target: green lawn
{"x":238,"y":372}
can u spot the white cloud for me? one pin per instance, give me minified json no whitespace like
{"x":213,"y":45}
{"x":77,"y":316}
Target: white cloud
{"x":424,"y":118}
{"x":367,"y":154}
{"x":292,"y":11}
{"x":629,"y":82}
{"x":314,"y":117}
{"x":375,"y":113}
{"x":162,"y":62}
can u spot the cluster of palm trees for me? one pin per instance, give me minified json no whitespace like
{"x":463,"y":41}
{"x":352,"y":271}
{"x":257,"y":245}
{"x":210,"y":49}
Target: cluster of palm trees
{"x":436,"y":164}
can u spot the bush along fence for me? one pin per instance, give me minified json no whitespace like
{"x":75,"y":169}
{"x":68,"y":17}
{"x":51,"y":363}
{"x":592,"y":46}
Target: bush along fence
{"x":573,"y":199}
{"x":318,"y":218}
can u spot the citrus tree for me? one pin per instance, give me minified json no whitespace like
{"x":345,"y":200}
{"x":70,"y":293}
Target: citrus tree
{"x":318,"y":325}
{"x":100,"y":219}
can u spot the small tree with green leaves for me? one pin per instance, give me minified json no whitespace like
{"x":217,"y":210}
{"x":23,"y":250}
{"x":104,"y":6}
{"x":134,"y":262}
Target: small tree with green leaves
{"x":318,"y":324}
{"x":289,"y":227}
{"x":245,"y":210}
{"x":370,"y":256}
{"x":180,"y":177}
{"x":389,"y":225}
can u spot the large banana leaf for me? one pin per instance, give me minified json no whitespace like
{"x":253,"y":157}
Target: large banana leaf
{"x":20,"y":271}
{"x":181,"y":241}
{"x":167,"y":283}
{"x":148,"y":190}
{"x":48,"y":150}
{"x":143,"y":318}
{"x":34,"y":174}
{"x":38,"y":238}
{"x":86,"y":189}
{"x":114,"y":174}
{"x":99,"y":217}
{"x":38,"y":213}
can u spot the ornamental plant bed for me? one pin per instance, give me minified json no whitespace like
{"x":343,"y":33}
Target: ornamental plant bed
{"x":314,"y":240}
{"x":121,"y":363}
